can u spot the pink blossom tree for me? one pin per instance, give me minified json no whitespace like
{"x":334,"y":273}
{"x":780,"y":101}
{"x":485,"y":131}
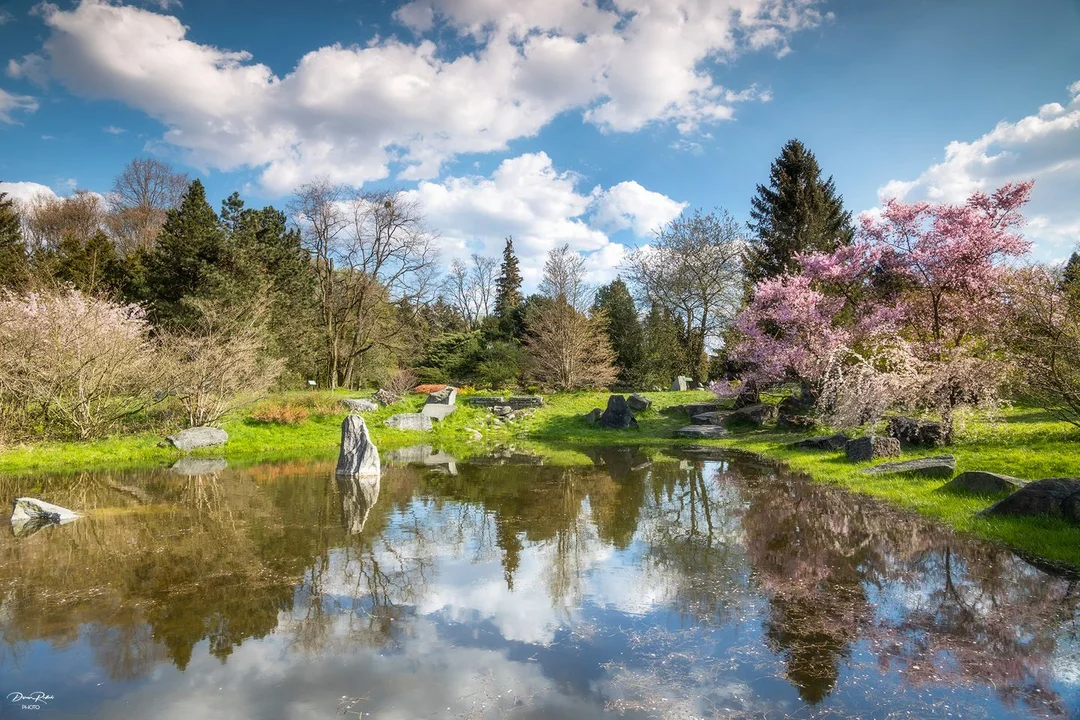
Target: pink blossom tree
{"x":906,"y":310}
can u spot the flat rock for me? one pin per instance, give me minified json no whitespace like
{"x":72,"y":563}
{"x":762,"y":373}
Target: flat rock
{"x":984,"y":483}
{"x":446,"y":396}
{"x":195,"y":466}
{"x":618,"y":415}
{"x":408,"y":421}
{"x":29,"y":515}
{"x":638,"y":402}
{"x":702,"y":431}
{"x":1053,"y":497}
{"x":358,"y":454}
{"x":198,"y":437}
{"x":871,"y":447}
{"x":437,"y":411}
{"x":715,"y":417}
{"x":359,"y":405}
{"x":698,"y":408}
{"x":823,"y":442}
{"x":756,"y":415}
{"x":939,"y":466}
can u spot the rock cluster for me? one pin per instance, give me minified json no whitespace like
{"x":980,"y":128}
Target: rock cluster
{"x":910,"y":431}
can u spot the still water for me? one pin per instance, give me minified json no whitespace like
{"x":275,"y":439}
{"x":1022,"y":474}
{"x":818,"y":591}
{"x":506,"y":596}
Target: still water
{"x":694,"y":586}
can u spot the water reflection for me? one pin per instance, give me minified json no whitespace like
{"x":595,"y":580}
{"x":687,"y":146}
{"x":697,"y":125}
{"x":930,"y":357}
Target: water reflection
{"x":704,"y":586}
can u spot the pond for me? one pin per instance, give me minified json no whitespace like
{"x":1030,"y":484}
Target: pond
{"x":691,"y":585}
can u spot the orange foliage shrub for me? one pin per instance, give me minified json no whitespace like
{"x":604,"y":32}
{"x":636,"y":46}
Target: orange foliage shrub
{"x":428,"y":389}
{"x":280,"y":414}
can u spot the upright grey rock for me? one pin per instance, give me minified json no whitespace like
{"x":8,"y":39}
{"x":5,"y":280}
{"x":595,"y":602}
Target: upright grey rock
{"x":680,"y":384}
{"x":358,"y":455}
{"x":618,"y":415}
{"x":1053,"y":497}
{"x":408,"y":421}
{"x":198,"y":437}
{"x":30,"y":514}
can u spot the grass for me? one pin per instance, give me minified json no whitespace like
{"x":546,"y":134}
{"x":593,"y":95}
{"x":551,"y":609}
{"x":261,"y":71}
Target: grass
{"x":1024,"y":442}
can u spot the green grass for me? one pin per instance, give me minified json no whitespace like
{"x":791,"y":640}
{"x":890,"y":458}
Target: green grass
{"x":1024,"y":442}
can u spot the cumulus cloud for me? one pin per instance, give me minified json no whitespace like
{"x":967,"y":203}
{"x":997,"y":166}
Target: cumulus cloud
{"x":24,"y":191}
{"x":1044,"y":145}
{"x":354,"y":113}
{"x":528,"y":198}
{"x":10,"y":104}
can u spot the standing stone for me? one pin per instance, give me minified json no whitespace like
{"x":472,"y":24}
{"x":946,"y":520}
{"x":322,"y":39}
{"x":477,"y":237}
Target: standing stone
{"x":358,"y":455}
{"x":939,"y":466}
{"x":446,"y":396}
{"x":1054,"y":497}
{"x":359,"y":404}
{"x":618,"y":415}
{"x":984,"y":483}
{"x":871,"y":447}
{"x":408,"y":421}
{"x":198,"y":437}
{"x":638,"y":402}
{"x":680,"y":384}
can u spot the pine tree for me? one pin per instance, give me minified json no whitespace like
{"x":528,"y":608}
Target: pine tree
{"x":663,"y":354}
{"x":14,"y":263}
{"x":508,"y":292}
{"x":797,"y":212}
{"x":1070,"y":277}
{"x":624,"y":331}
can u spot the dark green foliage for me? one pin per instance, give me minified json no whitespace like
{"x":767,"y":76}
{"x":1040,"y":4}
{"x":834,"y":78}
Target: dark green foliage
{"x":508,"y":293}
{"x":499,"y":364}
{"x":447,"y":357}
{"x":14,"y":263}
{"x":93,"y":266}
{"x":624,"y":331}
{"x":663,"y":357}
{"x":797,"y":212}
{"x":1070,"y":276}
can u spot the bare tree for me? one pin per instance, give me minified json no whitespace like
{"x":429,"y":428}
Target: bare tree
{"x":375,"y":261}
{"x":568,"y":350}
{"x":564,"y":276}
{"x":48,"y":221}
{"x":471,"y":287}
{"x":141,"y":195}
{"x":694,"y":271}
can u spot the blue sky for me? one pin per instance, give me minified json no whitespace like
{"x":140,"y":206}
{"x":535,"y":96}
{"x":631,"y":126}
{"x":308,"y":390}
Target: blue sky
{"x":555,"y":120}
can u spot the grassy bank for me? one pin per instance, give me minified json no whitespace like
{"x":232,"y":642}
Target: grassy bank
{"x":1024,"y":442}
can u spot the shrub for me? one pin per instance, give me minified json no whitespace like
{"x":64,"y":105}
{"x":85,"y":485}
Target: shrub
{"x":428,"y":388}
{"x":280,"y":414}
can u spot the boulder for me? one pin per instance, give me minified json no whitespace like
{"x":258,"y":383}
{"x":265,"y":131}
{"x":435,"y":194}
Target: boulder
{"x":822,"y":442}
{"x":618,"y":415}
{"x":446,"y":396}
{"x":801,"y":403}
{"x":29,"y":515}
{"x":706,"y":432}
{"x":871,"y":447}
{"x":710,"y":418}
{"x":638,"y":402}
{"x":698,"y":408}
{"x":196,"y":466}
{"x":748,"y":395}
{"x":408,"y":421}
{"x":939,"y":466}
{"x":594,"y":416}
{"x":437,"y":411}
{"x":680,"y":384}
{"x":198,"y":437}
{"x":794,"y":422}
{"x":385,"y":397}
{"x":984,"y":483}
{"x":1054,"y":497}
{"x":359,"y":405}
{"x":756,"y":415}
{"x":358,"y":454}
{"x":910,"y":431}
{"x":696,"y":385}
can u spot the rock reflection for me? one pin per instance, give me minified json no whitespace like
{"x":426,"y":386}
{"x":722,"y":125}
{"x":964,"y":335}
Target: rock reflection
{"x":357,"y":494}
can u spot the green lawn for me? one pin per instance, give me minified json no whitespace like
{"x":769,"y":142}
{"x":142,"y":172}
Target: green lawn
{"x":1024,"y":442}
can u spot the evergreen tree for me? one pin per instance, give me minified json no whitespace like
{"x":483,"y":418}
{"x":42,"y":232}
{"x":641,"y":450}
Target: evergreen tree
{"x":797,"y":212}
{"x":624,"y":331}
{"x":508,"y":293}
{"x":14,"y":263}
{"x":663,"y":357}
{"x":1070,"y":277}
{"x":93,"y":266}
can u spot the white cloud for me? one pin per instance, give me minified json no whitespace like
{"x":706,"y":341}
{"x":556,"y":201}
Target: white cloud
{"x":350,"y":113}
{"x":114,"y":130}
{"x":6,"y":17}
{"x":24,"y":191}
{"x":526,"y":197}
{"x":10,"y":104}
{"x":629,"y":205}
{"x":1044,"y":146}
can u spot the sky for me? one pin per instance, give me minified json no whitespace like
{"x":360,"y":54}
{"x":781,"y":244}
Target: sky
{"x":588,"y":122}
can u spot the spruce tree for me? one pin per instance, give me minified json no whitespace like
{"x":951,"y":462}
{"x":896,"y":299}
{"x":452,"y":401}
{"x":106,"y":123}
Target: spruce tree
{"x":508,"y":293}
{"x":797,"y":212}
{"x":1070,"y":277}
{"x":624,"y":331}
{"x":14,"y":263}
